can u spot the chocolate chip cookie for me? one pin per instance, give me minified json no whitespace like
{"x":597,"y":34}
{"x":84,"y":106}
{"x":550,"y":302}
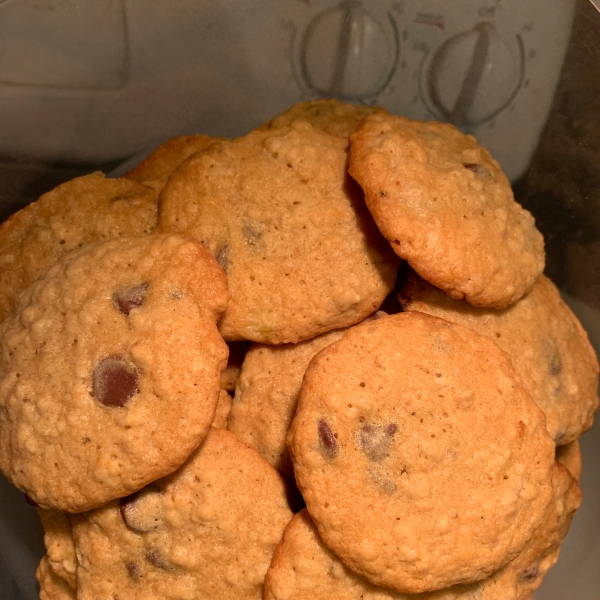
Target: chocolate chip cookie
{"x":549,"y":348}
{"x":446,"y":207}
{"x":280,"y":215}
{"x":110,"y":367}
{"x":421,"y":457}
{"x":86,"y":209}
{"x":207,"y":531}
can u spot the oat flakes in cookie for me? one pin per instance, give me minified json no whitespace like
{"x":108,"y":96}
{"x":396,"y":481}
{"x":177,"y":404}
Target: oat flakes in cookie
{"x":549,"y":348}
{"x":421,"y":457}
{"x":110,"y":367}
{"x":85,"y":209}
{"x":331,"y":116}
{"x":291,"y":230}
{"x":446,"y":207}
{"x":156,"y":169}
{"x":207,"y":531}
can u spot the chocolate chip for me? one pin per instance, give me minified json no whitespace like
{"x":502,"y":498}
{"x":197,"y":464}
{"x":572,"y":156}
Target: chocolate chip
{"x":555,"y":365}
{"x":327,"y":442}
{"x":132,"y":570}
{"x":222,"y":257}
{"x":154,"y":557}
{"x":129,"y":298}
{"x":530,"y":574}
{"x":114,"y":382}
{"x":374,"y":440}
{"x":479,"y":170}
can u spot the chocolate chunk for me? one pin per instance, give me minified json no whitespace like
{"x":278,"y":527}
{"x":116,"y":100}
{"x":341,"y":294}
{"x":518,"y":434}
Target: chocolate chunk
{"x":222,"y":257}
{"x":374,"y":440}
{"x":132,"y":570}
{"x":128,"y":298}
{"x":327,"y":442}
{"x":114,"y":381}
{"x":154,"y":557}
{"x":555,"y":365}
{"x":479,"y":170}
{"x":530,"y":574}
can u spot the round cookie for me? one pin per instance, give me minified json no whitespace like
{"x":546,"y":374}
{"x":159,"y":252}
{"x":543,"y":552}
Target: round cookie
{"x":278,"y":212}
{"x":207,"y":531}
{"x":446,"y":207}
{"x":267,"y":394}
{"x":110,"y":367}
{"x":549,"y":348}
{"x":52,"y":586}
{"x":58,"y":540}
{"x":85,"y":209}
{"x":303,"y":567}
{"x":331,"y":116}
{"x":156,"y":169}
{"x":420,"y":455}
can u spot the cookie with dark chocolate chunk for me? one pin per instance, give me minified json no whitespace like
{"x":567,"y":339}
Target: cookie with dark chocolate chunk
{"x":446,"y":207}
{"x":109,"y":369}
{"x":209,"y":530}
{"x":422,"y":459}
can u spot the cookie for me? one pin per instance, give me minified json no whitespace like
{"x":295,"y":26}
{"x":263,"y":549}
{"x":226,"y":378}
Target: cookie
{"x":303,"y":567}
{"x":110,"y":367}
{"x":267,"y":393}
{"x":58,"y":540}
{"x":52,"y":586}
{"x":331,"y":116}
{"x":570,"y":456}
{"x":446,"y":207}
{"x":278,"y":212}
{"x":549,"y":349}
{"x":207,"y":531}
{"x":420,"y":455}
{"x":86,"y":209}
{"x":156,"y":169}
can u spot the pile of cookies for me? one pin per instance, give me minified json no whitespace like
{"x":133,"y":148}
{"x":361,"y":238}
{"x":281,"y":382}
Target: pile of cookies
{"x":317,"y":361}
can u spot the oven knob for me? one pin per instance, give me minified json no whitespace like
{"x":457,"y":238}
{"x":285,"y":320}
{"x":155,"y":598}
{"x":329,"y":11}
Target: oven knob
{"x":347,"y":52}
{"x":474,"y":75}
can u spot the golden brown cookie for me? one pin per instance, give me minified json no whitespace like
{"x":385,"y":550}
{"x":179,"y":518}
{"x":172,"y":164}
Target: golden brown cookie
{"x":278,"y":212}
{"x":331,"y":116}
{"x":86,"y":209}
{"x":58,"y":540}
{"x":267,"y":394}
{"x":549,"y":348}
{"x":109,"y":369}
{"x":420,"y":455}
{"x":446,"y":207}
{"x":207,"y":531}
{"x":52,"y":586}
{"x":156,"y":169}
